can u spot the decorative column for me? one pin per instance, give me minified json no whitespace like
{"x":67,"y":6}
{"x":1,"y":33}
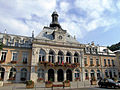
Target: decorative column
{"x":33,"y":76}
{"x":46,"y":75}
{"x":89,"y":75}
{"x":73,"y":76}
{"x":47,"y":54}
{"x":72,"y":59}
{"x":81,"y":57}
{"x":64,"y":58}
{"x":65,"y":75}
{"x":6,"y":76}
{"x":56,"y":58}
{"x":55,"y":76}
{"x":95,"y":75}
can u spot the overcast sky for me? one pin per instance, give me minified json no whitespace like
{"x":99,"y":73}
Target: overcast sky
{"x":88,"y":20}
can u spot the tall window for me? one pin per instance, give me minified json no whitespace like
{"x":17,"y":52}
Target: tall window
{"x":25,"y":57}
{"x":77,"y":74}
{"x":12,"y":73}
{"x":3,"y":56}
{"x":40,"y":73}
{"x":23,"y":74}
{"x":14,"y":56}
{"x":68,"y":58}
{"x":60,"y":57}
{"x":97,"y":61}
{"x":91,"y":61}
{"x":113,"y":63}
{"x":108,"y":61}
{"x":51,"y":56}
{"x":106,"y":73}
{"x":105,"y":62}
{"x":98,"y":74}
{"x":42,"y":55}
{"x":76,"y":58}
{"x":92,"y":73}
{"x":17,"y":43}
{"x":114,"y":73}
{"x":85,"y":60}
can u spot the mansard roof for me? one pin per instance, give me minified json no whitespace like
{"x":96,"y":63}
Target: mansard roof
{"x":47,"y":34}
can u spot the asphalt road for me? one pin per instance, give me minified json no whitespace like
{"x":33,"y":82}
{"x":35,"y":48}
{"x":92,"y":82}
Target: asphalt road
{"x":95,"y":89}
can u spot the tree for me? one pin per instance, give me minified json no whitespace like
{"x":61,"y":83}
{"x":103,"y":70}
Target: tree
{"x":114,"y":47}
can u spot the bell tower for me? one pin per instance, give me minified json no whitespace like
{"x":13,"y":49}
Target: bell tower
{"x":55,"y":22}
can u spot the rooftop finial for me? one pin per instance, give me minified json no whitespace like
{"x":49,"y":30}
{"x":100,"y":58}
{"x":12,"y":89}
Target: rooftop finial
{"x":33,"y":34}
{"x":5,"y":31}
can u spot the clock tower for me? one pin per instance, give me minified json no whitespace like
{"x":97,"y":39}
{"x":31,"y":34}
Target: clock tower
{"x":59,"y":34}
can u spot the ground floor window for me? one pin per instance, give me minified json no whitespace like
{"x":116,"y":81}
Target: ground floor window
{"x":23,"y":74}
{"x":86,"y":75}
{"x":2,"y":72}
{"x":40,"y":73}
{"x":12,"y":74}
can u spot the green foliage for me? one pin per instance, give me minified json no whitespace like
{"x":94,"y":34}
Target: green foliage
{"x":114,"y":47}
{"x":1,"y":45}
{"x":29,"y":82}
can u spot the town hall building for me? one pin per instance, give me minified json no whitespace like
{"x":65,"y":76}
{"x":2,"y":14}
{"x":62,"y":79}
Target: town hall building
{"x":53,"y":55}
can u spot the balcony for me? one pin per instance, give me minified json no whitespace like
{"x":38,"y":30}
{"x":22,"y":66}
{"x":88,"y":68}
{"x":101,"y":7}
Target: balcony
{"x":24,"y":62}
{"x":1,"y":79}
{"x":57,"y":64}
{"x":11,"y":79}
{"x":2,"y":61}
{"x":98,"y":65}
{"x":13,"y":62}
{"x":91,"y":64}
{"x":105,"y":65}
{"x":86,"y":64}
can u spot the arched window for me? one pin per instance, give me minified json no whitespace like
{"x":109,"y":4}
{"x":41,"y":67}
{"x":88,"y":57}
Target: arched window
{"x":40,"y":73}
{"x":51,"y":56}
{"x":76,"y":58}
{"x":60,"y":57}
{"x":114,"y":73}
{"x":106,"y":73}
{"x":23,"y":74}
{"x":98,"y":74}
{"x":12,"y":73}
{"x":68,"y":57}
{"x":92,"y":73}
{"x":42,"y":55}
{"x":110,"y":73}
{"x":86,"y":75}
{"x":2,"y":71}
{"x":77,"y":73}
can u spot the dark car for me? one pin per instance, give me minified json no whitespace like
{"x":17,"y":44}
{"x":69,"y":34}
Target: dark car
{"x":107,"y":83}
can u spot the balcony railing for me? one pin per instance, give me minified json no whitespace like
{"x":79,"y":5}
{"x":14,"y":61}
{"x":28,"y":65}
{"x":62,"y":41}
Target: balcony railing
{"x":57,"y":64}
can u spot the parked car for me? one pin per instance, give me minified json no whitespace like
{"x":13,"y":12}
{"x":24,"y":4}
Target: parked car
{"x":118,"y":83}
{"x":108,"y":83}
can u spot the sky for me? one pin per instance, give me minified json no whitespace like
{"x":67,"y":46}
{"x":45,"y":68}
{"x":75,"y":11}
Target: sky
{"x":87,"y":20}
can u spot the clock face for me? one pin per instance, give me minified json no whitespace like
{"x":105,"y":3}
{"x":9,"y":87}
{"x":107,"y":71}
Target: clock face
{"x":60,"y":37}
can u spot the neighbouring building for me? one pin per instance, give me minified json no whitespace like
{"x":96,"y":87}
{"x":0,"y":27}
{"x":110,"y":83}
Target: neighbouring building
{"x":117,"y":52}
{"x":53,"y":55}
{"x":99,"y":62}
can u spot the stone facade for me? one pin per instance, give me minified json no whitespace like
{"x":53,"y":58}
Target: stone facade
{"x":53,"y":55}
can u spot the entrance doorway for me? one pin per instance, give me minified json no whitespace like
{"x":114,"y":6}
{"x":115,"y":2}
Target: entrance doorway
{"x":69,"y":75}
{"x":51,"y":75}
{"x":60,"y":75}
